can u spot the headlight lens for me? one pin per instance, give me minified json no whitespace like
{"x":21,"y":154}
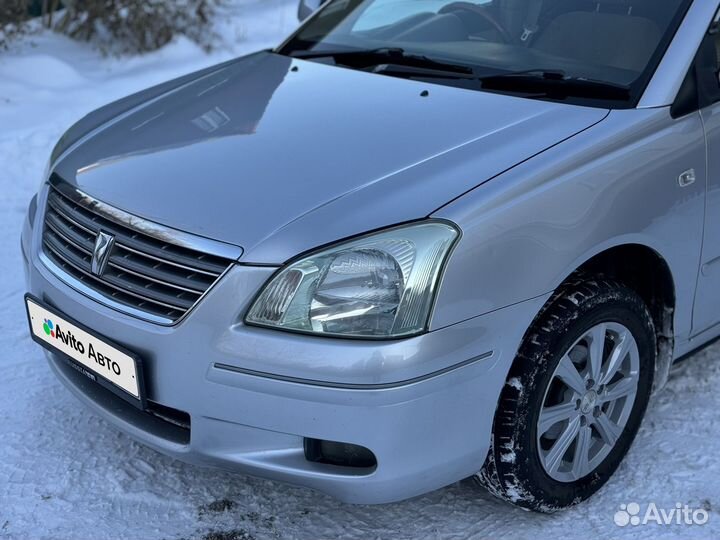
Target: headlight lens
{"x":381,"y":285}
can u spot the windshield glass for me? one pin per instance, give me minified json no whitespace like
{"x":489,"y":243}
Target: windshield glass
{"x":599,"y":53}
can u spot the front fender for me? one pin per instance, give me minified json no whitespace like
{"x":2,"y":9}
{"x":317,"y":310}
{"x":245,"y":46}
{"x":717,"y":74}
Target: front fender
{"x":526,"y":231}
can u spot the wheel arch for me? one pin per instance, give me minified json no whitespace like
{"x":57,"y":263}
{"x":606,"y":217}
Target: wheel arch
{"x":643,"y":269}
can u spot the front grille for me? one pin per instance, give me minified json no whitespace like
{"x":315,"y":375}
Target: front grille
{"x":142,"y":272}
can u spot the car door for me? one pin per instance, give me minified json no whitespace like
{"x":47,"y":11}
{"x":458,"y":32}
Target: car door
{"x":707,"y":299}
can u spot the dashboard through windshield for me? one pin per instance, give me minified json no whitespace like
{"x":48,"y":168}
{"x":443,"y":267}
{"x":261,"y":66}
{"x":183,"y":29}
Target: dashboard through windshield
{"x":578,"y":51}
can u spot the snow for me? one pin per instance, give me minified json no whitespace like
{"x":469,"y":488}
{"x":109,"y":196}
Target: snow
{"x":66,"y":474}
{"x":515,"y":383}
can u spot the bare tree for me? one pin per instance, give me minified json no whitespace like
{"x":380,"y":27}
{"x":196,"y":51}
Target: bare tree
{"x":139,"y":25}
{"x":121,"y":26}
{"x":13,"y":16}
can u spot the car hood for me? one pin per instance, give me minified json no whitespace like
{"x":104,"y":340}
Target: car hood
{"x":278,"y":155}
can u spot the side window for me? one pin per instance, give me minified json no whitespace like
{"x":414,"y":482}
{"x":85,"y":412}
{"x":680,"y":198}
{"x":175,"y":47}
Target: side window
{"x":709,"y":66}
{"x":702,"y":83}
{"x":715,"y":29}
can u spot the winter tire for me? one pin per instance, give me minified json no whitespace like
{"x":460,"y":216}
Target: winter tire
{"x":574,"y":398}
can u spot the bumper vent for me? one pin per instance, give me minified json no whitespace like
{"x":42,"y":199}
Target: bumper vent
{"x":123,"y":262}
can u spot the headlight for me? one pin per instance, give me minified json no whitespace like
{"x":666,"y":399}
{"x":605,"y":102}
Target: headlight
{"x":381,"y":285}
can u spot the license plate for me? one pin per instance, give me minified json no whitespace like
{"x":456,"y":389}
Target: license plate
{"x":113,"y":367}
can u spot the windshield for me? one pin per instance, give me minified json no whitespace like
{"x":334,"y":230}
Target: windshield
{"x":600,"y":53}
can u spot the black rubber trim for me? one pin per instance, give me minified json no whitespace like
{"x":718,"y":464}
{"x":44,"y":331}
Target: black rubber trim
{"x":153,"y":420}
{"x":351,"y":386}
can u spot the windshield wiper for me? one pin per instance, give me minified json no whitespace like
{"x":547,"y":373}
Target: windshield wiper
{"x":387,"y":56}
{"x":547,"y":83}
{"x":555,"y":84}
{"x":400,"y":70}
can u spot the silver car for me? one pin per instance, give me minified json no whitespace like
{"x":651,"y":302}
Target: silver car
{"x":420,"y":240}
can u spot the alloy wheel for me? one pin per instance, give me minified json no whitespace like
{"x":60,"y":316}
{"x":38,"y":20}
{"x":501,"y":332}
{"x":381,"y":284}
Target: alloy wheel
{"x":588,"y":402}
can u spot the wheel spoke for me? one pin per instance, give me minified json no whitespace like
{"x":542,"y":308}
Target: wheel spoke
{"x":595,"y":352}
{"x":549,"y":416}
{"x":553,"y":459}
{"x":609,"y":430}
{"x":626,"y":386}
{"x":617,"y":356}
{"x":581,"y":459}
{"x":568,"y":373}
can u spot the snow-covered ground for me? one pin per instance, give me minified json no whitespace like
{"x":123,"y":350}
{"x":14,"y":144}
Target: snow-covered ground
{"x":65,"y":474}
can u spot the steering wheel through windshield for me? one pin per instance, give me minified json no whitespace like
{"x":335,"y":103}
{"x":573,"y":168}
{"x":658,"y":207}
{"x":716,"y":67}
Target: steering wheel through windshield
{"x":483,"y":12}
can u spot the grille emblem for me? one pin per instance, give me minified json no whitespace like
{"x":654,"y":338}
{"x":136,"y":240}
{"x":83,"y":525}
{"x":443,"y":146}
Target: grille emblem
{"x":101,"y":252}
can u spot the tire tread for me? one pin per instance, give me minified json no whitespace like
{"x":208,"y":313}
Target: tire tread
{"x":501,"y":475}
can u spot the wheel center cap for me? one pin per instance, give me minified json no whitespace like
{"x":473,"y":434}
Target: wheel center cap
{"x":587,"y":403}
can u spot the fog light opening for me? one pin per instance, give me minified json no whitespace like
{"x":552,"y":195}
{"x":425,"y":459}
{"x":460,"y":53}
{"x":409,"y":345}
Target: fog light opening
{"x":340,"y":454}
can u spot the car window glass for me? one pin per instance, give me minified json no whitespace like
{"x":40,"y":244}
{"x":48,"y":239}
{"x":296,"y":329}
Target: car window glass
{"x":613,"y":42}
{"x":386,"y":12}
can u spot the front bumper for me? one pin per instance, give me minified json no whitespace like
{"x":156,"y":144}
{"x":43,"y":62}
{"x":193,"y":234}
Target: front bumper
{"x":424,"y":406}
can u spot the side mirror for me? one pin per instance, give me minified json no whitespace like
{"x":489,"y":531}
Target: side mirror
{"x":307,"y":8}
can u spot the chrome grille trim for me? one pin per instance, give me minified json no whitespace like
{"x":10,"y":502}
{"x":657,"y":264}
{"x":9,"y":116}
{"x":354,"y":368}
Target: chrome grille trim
{"x":155,"y":280}
{"x":73,"y":264}
{"x":158,"y":259}
{"x":153,"y":272}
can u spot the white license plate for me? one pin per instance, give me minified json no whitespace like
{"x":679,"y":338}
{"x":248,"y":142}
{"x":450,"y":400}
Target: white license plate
{"x":107,"y":361}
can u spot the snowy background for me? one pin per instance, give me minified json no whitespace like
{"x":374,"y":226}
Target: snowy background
{"x":66,"y":474}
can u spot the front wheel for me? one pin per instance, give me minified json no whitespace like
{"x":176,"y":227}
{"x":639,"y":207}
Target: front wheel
{"x":574,"y":399}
